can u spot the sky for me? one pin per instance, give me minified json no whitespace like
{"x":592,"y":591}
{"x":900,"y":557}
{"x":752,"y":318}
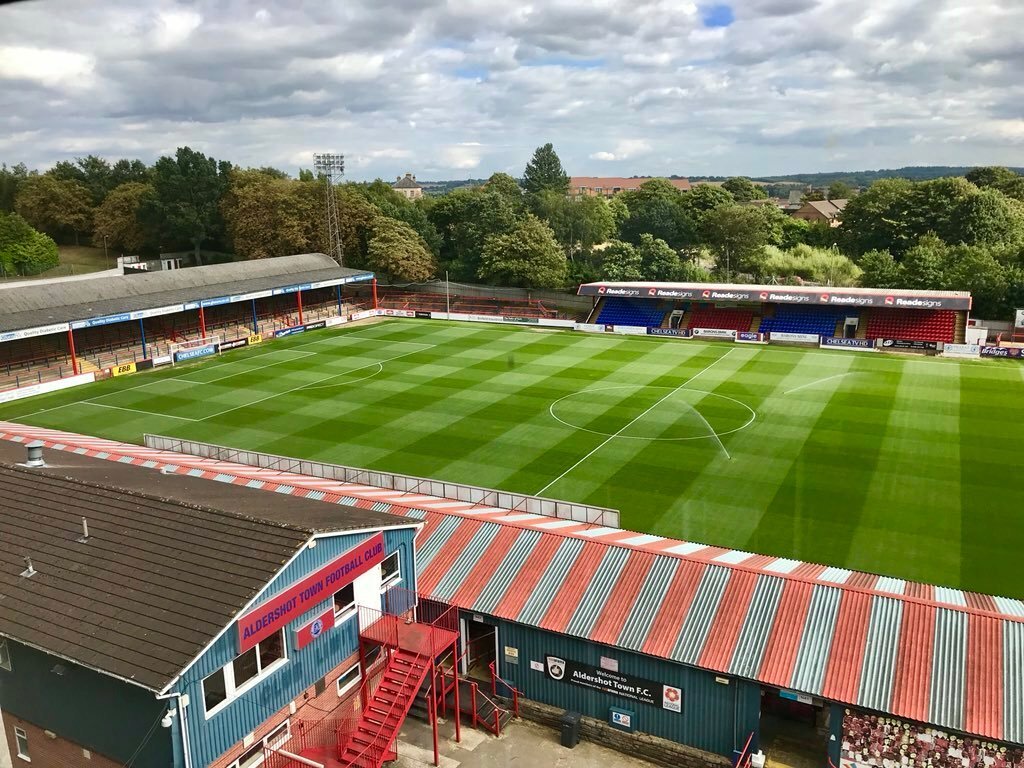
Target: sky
{"x":451,"y":89}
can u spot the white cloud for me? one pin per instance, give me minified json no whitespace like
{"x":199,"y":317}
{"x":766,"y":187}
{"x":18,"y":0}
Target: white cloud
{"x":463,"y":156}
{"x":638,"y":86}
{"x":175,"y":27}
{"x":624,"y":150}
{"x":49,"y":67}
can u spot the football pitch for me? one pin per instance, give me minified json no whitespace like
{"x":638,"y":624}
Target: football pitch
{"x":904,"y":466}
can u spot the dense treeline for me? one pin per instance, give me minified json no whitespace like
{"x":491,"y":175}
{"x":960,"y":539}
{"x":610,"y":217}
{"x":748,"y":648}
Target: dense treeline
{"x":956,"y":233}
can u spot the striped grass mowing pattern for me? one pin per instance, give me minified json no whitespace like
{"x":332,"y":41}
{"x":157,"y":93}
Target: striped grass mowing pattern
{"x":897,"y":465}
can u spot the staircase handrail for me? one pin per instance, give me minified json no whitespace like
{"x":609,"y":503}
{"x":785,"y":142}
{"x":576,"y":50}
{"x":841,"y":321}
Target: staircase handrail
{"x":380,"y":749}
{"x":744,"y":757}
{"x":495,"y":677}
{"x":346,"y":725}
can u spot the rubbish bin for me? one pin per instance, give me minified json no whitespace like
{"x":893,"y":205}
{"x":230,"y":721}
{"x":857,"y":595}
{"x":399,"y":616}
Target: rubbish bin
{"x":570,"y":723}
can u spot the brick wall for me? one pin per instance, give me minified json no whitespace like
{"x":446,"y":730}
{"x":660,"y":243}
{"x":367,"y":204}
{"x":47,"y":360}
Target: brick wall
{"x":652,"y":748}
{"x":51,"y":751}
{"x":308,"y":707}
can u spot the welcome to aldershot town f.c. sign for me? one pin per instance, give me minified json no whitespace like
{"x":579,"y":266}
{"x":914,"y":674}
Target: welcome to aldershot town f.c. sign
{"x":266,"y":619}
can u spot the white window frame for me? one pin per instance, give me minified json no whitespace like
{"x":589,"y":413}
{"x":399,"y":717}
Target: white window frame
{"x":233,"y":692}
{"x":265,"y":742}
{"x":342,"y":691}
{"x":348,"y":611}
{"x":386,"y":584}
{"x":5,"y":654}
{"x":21,"y":744}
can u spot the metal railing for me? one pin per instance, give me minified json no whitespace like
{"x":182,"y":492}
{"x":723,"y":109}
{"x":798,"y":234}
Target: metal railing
{"x":404,"y":484}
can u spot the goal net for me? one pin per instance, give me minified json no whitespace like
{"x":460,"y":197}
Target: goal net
{"x":183,"y":351}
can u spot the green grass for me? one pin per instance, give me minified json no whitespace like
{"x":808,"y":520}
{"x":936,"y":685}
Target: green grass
{"x":904,"y":466}
{"x":75,"y":260}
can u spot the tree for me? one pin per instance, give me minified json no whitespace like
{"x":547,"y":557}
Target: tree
{"x":544,"y":172}
{"x":839,"y":190}
{"x":526,"y":257}
{"x":124,"y":171}
{"x":117,"y":219}
{"x":660,"y":262}
{"x":465,"y":218}
{"x":305,"y":174}
{"x":60,"y":208}
{"x":880,"y":270}
{"x":186,"y":208}
{"x":621,"y":262}
{"x":23,"y":250}
{"x":924,"y":265}
{"x":697,"y":205}
{"x":11,"y":180}
{"x":399,"y":252}
{"x":743,"y":190}
{"x":878,"y":219}
{"x":656,"y":208}
{"x":975,"y":269}
{"x":578,"y":225}
{"x":1006,"y":181}
{"x":93,"y":172}
{"x":506,"y":186}
{"x":737,"y":235}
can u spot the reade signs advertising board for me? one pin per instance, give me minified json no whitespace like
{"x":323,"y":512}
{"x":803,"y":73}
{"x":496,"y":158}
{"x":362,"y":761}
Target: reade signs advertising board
{"x":267,"y":618}
{"x":635,"y":688}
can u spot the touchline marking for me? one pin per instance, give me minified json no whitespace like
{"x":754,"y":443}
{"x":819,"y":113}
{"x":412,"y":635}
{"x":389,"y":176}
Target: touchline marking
{"x":820,"y":381}
{"x":304,"y":386}
{"x":134,"y":410}
{"x":608,"y":439}
{"x":304,"y":355}
{"x":330,"y":341}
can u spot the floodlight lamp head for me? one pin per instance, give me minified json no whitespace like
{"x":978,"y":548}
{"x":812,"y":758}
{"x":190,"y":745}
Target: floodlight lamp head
{"x":329,"y":164}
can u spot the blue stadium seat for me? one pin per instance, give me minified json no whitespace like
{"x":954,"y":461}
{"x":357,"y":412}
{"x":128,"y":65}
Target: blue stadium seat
{"x":820,"y":321}
{"x":618,"y":311}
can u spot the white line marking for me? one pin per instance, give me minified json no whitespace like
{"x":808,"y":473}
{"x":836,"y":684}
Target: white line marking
{"x":820,"y":381}
{"x":380,"y":369}
{"x":634,"y":420}
{"x":134,"y":410}
{"x":304,"y":386}
{"x":303,"y":355}
{"x":330,"y":341}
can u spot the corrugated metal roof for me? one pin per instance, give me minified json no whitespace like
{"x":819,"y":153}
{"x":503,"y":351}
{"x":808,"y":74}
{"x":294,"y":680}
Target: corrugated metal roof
{"x":879,"y":665}
{"x":941,"y":656}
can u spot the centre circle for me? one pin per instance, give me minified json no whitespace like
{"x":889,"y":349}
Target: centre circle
{"x":649,"y":412}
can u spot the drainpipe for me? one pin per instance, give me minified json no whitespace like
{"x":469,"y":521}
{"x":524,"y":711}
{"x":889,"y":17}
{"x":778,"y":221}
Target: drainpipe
{"x":182,"y":716}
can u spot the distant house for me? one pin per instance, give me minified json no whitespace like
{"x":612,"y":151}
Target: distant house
{"x":408,"y":187}
{"x":827,"y":211}
{"x":609,"y":186}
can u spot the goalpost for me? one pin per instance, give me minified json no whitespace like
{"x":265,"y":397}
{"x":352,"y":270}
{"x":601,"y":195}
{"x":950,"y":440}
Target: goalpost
{"x":184,"y":351}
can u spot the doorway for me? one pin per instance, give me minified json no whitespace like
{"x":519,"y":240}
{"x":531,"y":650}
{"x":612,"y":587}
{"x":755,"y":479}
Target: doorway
{"x":794,"y":729}
{"x":480,"y":641}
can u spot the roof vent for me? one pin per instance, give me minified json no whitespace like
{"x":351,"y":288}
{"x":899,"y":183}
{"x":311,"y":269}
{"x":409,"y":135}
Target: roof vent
{"x":29,"y":571}
{"x":85,"y":532}
{"x":35,"y":454}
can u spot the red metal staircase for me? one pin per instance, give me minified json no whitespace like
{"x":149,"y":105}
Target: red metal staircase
{"x":370,"y":744}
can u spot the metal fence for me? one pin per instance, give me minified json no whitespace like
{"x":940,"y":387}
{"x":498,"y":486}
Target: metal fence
{"x":406,"y":484}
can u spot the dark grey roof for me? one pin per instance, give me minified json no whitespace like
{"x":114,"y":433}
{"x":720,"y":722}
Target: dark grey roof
{"x":37,"y":305}
{"x":407,"y":182}
{"x":162,"y":573}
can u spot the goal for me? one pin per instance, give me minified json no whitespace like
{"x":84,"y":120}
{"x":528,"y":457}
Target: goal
{"x":184,"y":351}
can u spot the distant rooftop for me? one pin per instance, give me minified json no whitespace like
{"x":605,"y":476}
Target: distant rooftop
{"x":407,"y":182}
{"x":617,"y":182}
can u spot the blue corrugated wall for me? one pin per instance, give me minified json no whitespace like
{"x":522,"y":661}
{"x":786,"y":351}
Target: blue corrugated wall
{"x":210,"y":738}
{"x":716,"y":717}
